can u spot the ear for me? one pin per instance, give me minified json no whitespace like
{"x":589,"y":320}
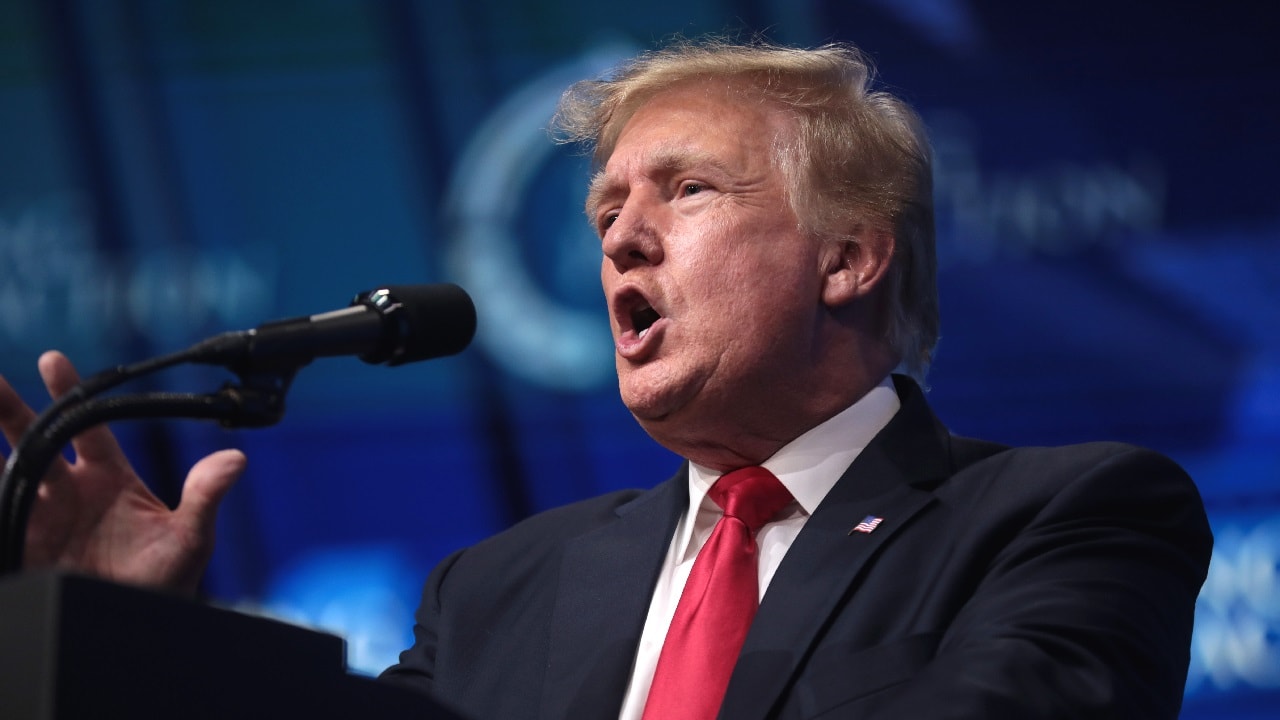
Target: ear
{"x":854,"y":268}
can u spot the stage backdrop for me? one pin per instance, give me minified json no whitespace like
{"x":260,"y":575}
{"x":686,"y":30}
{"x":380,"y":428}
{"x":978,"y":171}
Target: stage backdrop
{"x":168,"y":170}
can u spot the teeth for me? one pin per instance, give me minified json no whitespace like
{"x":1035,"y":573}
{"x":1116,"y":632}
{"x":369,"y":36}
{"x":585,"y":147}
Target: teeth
{"x":643,"y":333}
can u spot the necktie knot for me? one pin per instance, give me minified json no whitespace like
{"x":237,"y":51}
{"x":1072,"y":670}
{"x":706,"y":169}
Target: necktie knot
{"x":751,"y":494}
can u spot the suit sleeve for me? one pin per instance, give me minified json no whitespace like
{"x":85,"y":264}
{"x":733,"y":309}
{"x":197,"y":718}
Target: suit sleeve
{"x":1084,"y":609}
{"x":417,"y":665}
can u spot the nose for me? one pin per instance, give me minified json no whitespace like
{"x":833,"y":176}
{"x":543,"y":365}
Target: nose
{"x":633,"y":240}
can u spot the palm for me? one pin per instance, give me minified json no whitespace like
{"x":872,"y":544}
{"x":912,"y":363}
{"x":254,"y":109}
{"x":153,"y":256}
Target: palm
{"x":95,"y":514}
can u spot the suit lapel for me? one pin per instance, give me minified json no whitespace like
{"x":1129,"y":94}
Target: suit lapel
{"x":889,"y":480}
{"x":602,"y":600}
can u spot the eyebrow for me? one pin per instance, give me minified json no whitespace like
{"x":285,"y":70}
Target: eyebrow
{"x":662,"y":159}
{"x":597,"y":191}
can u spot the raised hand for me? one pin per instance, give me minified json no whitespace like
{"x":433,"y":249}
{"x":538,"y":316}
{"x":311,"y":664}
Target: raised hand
{"x":95,"y":515}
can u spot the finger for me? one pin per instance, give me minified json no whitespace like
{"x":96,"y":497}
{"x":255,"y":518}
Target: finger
{"x":206,"y":485}
{"x":58,"y":373}
{"x":96,"y":444}
{"x":15,"y":415}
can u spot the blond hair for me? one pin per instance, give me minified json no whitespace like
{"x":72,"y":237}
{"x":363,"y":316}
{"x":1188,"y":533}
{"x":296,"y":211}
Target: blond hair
{"x":858,"y":157}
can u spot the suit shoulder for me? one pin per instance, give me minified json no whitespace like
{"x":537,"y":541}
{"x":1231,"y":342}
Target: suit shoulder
{"x":551,"y":528}
{"x":1096,"y":478}
{"x":1067,"y":460}
{"x":579,"y":515}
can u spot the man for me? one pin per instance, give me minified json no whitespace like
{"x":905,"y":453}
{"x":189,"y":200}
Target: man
{"x":768,"y":262}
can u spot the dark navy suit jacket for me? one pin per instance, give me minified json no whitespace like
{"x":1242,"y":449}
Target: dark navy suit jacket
{"x":1002,"y":583}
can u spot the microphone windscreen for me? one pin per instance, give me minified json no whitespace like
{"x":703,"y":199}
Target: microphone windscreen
{"x":435,"y":320}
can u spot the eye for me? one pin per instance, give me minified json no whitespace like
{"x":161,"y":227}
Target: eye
{"x":692,"y":188}
{"x":607,"y":220}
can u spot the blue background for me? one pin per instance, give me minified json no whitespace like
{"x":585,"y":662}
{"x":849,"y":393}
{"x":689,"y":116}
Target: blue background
{"x":1108,"y":228}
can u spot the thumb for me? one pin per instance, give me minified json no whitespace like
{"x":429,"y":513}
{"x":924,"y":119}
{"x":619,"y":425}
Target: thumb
{"x":207,"y":483}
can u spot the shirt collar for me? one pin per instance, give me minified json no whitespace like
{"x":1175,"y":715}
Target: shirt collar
{"x":810,"y":465}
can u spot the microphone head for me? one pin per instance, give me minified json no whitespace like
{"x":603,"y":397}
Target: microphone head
{"x":421,"y":322}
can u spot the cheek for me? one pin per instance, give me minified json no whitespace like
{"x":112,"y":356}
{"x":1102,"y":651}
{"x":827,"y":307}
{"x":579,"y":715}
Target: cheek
{"x":718,"y":252}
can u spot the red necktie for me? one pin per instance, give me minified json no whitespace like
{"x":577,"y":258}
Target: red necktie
{"x":718,"y":601}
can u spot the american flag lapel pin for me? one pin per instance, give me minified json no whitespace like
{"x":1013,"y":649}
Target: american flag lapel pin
{"x":868,"y":524}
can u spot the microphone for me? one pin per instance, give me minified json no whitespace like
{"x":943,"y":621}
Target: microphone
{"x":392,"y":325}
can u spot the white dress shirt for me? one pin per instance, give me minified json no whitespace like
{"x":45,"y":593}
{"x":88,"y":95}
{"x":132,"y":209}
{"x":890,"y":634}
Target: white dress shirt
{"x":808,"y":466}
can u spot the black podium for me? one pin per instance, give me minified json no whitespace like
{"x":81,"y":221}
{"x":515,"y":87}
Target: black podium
{"x":74,"y":647}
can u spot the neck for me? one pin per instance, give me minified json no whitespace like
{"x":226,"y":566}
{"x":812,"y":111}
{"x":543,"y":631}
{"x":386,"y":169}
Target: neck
{"x":753,"y":429}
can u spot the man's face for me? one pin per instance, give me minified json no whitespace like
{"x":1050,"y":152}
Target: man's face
{"x":713,"y":289}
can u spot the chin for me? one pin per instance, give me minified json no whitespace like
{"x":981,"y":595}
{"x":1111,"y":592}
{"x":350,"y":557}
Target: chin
{"x":651,"y":406}
{"x":659,"y":399}
{"x":646,"y":412}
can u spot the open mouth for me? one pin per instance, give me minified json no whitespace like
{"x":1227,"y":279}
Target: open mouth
{"x":634,"y":313}
{"x":643,"y":318}
{"x":639,"y":322}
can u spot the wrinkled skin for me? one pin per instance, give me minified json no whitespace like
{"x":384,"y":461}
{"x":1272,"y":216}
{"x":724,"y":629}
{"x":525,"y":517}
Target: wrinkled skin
{"x":756,"y":333}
